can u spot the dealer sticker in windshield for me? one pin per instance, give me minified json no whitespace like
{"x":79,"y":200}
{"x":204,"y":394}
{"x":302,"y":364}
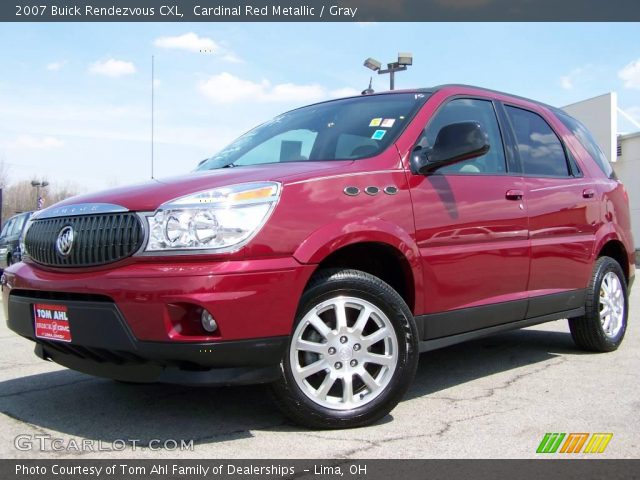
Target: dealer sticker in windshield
{"x":375,"y":122}
{"x":388,"y":122}
{"x":378,"y":134}
{"x":52,"y":322}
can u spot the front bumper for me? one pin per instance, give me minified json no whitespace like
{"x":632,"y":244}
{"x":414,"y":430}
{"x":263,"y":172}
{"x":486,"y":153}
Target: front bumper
{"x":248,"y":299}
{"x":103,"y":345}
{"x":121,"y":327}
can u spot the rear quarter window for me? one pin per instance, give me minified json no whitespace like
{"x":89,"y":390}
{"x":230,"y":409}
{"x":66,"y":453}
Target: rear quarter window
{"x":588,"y":141}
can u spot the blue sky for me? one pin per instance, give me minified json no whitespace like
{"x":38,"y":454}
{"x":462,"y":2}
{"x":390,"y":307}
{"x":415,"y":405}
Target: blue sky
{"x":75,"y":98}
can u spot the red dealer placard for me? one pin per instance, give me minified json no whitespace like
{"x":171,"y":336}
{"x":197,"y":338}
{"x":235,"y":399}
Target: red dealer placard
{"x":52,"y":322}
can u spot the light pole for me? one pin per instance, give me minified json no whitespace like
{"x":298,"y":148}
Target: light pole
{"x":404,"y":60}
{"x":37,"y":185}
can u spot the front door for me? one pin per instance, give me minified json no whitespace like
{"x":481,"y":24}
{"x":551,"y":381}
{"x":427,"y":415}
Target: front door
{"x":472,"y":231}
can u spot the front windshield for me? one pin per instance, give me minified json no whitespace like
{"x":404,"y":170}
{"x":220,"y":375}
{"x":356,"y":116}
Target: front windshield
{"x":346,"y":129}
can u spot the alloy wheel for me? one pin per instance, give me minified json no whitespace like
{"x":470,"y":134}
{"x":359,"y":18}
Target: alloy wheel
{"x":611,"y":304}
{"x":344,"y":353}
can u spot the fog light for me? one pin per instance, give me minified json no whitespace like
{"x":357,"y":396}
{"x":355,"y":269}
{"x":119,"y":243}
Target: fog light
{"x":208,"y":323}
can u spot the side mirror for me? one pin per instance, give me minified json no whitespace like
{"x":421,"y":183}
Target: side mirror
{"x":455,"y":142}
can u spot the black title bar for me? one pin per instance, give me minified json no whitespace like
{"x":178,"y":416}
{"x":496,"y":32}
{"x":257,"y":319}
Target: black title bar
{"x":317,"y":11}
{"x":123,"y":469}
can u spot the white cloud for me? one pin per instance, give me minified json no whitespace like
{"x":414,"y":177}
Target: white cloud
{"x":231,"y":58}
{"x":291,"y":92}
{"x":112,"y":68}
{"x":568,"y":81}
{"x":630,"y":74}
{"x":192,"y":42}
{"x":29,"y":141}
{"x":55,"y":66}
{"x":344,"y":92}
{"x":227,"y":88}
{"x":51,"y":124}
{"x":189,"y":41}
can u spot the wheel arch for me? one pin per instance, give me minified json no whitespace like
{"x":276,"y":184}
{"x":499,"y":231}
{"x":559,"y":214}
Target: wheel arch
{"x":376,"y":247}
{"x":614,"y":248}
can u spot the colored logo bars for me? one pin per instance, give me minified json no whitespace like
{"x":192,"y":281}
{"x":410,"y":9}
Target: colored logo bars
{"x":573,"y":443}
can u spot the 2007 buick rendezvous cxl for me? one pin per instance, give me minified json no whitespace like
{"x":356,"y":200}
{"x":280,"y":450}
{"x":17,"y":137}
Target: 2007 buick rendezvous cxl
{"x":324,"y":250}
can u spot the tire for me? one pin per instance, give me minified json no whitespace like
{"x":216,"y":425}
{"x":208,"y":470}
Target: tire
{"x":342,"y":350}
{"x":607,"y":292}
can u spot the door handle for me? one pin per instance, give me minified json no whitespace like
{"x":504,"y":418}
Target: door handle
{"x":514,"y":195}
{"x":588,"y":193}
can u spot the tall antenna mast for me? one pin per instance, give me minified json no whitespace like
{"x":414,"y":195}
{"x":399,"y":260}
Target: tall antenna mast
{"x":152,"y":92}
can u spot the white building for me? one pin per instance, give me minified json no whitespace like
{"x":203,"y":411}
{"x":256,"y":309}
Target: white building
{"x":600,"y":115}
{"x":627,"y":168}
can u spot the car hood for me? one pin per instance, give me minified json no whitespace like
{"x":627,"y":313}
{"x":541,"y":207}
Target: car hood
{"x":150,"y":195}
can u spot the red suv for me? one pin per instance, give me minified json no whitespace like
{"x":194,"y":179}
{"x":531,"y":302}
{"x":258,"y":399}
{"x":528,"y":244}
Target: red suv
{"x":324,"y":250}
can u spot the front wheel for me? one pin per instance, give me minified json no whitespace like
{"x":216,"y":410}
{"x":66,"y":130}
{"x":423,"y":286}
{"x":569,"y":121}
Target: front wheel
{"x":602,"y":327}
{"x":352,"y":355}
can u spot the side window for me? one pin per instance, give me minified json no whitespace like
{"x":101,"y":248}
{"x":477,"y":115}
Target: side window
{"x":17,"y":228}
{"x":588,"y":142}
{"x":540,"y":148}
{"x":7,"y":228}
{"x":13,"y":229}
{"x":465,"y":110}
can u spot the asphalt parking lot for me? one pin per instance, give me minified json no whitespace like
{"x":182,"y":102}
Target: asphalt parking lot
{"x":491,"y":398}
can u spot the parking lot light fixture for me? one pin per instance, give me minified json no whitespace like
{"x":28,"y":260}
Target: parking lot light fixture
{"x":372,"y":64}
{"x":405,"y":59}
{"x":37,"y":185}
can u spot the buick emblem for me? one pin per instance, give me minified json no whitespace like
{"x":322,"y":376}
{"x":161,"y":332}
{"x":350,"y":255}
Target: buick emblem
{"x":64,"y":243}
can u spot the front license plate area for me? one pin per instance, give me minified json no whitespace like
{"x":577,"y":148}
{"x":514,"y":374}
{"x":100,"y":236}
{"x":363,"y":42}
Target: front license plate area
{"x":51,"y":322}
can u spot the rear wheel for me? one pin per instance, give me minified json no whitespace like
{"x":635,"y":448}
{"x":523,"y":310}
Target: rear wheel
{"x":352,"y":355}
{"x":602,"y":327}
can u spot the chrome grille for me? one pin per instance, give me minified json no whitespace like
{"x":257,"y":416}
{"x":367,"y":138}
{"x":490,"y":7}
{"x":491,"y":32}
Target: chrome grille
{"x":98,"y":239}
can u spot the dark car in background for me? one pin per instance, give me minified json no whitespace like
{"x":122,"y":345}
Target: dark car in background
{"x":10,"y":239}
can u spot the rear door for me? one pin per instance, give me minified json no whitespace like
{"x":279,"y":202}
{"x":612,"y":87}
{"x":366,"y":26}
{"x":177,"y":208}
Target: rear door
{"x":563,"y":214}
{"x":471,"y":229}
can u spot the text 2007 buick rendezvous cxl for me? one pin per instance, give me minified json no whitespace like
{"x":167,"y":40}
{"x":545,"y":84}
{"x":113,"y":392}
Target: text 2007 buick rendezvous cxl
{"x":323,"y":250}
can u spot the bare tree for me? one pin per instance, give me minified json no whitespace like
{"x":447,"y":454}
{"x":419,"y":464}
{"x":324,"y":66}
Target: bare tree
{"x":4,"y":172}
{"x":59,"y":192}
{"x":21,"y":196}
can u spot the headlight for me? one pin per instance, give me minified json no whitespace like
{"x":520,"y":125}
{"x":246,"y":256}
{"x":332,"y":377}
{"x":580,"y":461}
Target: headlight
{"x":217,"y":219}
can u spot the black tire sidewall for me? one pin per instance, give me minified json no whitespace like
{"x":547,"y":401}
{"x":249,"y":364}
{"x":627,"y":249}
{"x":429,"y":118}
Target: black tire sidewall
{"x":608,"y":265}
{"x":359,"y":285}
